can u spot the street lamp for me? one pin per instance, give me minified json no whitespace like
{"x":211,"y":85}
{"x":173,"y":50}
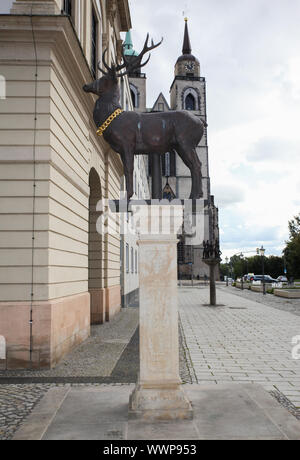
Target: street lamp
{"x":262,"y":253}
{"x":242,"y":276}
{"x":226,"y":260}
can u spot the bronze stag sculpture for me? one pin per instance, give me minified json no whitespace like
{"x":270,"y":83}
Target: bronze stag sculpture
{"x":130,"y":133}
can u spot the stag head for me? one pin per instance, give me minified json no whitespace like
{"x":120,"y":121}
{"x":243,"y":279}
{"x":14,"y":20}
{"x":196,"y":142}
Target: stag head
{"x":111,"y":74}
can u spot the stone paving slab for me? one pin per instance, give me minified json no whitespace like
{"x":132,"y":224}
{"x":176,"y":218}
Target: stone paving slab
{"x":244,"y":341}
{"x":226,"y":411}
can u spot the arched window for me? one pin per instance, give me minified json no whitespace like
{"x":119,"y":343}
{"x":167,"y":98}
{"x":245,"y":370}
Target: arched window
{"x":133,"y":98}
{"x":169,"y":164}
{"x":134,"y":95}
{"x":190,"y":103}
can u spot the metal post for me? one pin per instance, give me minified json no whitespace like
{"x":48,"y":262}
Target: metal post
{"x":242,"y":282}
{"x":192,"y":266}
{"x":263,"y":270}
{"x":212,"y":286}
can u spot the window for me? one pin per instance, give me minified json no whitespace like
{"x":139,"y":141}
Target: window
{"x":127,"y":258}
{"x":132,"y":260}
{"x":190,"y":102}
{"x":94,"y":43}
{"x":169,"y":164}
{"x":68,"y":7}
{"x":2,"y":87}
{"x":133,"y":98}
{"x":134,"y":95}
{"x":161,"y":107}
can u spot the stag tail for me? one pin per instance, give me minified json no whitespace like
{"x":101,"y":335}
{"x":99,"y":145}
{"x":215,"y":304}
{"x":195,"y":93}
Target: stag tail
{"x":132,"y":65}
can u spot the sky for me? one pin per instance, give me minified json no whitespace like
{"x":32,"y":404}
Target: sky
{"x":249,"y":52}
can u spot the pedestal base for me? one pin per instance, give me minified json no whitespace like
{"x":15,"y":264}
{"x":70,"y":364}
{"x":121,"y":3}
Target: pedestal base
{"x":159,"y":403}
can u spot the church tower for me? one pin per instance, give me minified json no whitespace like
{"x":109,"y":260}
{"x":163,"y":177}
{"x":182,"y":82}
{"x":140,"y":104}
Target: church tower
{"x":188,"y":92}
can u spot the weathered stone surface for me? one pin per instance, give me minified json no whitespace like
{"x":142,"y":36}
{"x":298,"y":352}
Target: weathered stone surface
{"x":158,"y":394}
{"x":225,"y":411}
{"x":288,"y":293}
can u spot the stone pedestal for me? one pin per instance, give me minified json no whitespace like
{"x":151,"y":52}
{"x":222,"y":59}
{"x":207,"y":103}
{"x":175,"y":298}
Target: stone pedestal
{"x":158,"y":393}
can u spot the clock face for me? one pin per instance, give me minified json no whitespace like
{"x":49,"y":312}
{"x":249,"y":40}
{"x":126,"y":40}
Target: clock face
{"x":190,"y":66}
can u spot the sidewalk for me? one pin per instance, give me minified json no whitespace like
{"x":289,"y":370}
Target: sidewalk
{"x":229,"y":350}
{"x":244,"y":341}
{"x":101,"y":413}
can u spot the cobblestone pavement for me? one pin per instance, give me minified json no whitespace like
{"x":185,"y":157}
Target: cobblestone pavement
{"x":243,"y":341}
{"x":16,"y":403}
{"x":291,"y":305}
{"x":18,"y":400}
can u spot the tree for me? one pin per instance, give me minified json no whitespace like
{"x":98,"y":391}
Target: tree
{"x":294,"y":227}
{"x":274,"y":266}
{"x":292,"y":249}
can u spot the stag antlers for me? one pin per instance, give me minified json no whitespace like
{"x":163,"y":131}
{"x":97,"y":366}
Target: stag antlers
{"x":133,"y":64}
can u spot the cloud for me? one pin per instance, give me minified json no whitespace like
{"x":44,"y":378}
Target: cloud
{"x":256,"y":236}
{"x":267,"y":149}
{"x":226,"y":195}
{"x":5,"y":6}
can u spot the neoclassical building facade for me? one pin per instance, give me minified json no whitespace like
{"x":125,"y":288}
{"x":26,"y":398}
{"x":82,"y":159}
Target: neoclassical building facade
{"x":58,"y":275}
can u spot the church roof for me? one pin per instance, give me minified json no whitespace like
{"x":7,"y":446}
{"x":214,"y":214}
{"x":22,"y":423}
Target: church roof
{"x":128,"y":45}
{"x":186,"y":48}
{"x":162,"y":98}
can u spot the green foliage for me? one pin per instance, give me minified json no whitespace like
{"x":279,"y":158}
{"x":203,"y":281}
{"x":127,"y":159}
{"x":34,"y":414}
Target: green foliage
{"x":294,"y":227}
{"x":292,"y":249}
{"x":274,"y":266}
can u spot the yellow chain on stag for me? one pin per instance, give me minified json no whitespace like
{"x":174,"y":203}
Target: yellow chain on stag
{"x":108,"y":121}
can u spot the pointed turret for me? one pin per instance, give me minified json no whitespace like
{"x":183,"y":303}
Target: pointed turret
{"x":187,"y":65}
{"x":186,"y":49}
{"x":128,"y":45}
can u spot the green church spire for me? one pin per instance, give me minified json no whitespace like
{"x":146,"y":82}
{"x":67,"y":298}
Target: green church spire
{"x":128,"y":45}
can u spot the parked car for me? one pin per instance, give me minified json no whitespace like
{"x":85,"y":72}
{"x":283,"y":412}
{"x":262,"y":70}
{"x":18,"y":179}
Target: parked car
{"x":266,"y":278}
{"x":282,"y":279}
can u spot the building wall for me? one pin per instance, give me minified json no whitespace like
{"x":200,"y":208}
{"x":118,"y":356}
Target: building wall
{"x":45,"y":190}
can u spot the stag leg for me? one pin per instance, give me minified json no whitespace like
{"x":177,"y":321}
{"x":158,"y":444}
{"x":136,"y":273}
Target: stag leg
{"x":190,"y":158}
{"x":128,"y":163}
